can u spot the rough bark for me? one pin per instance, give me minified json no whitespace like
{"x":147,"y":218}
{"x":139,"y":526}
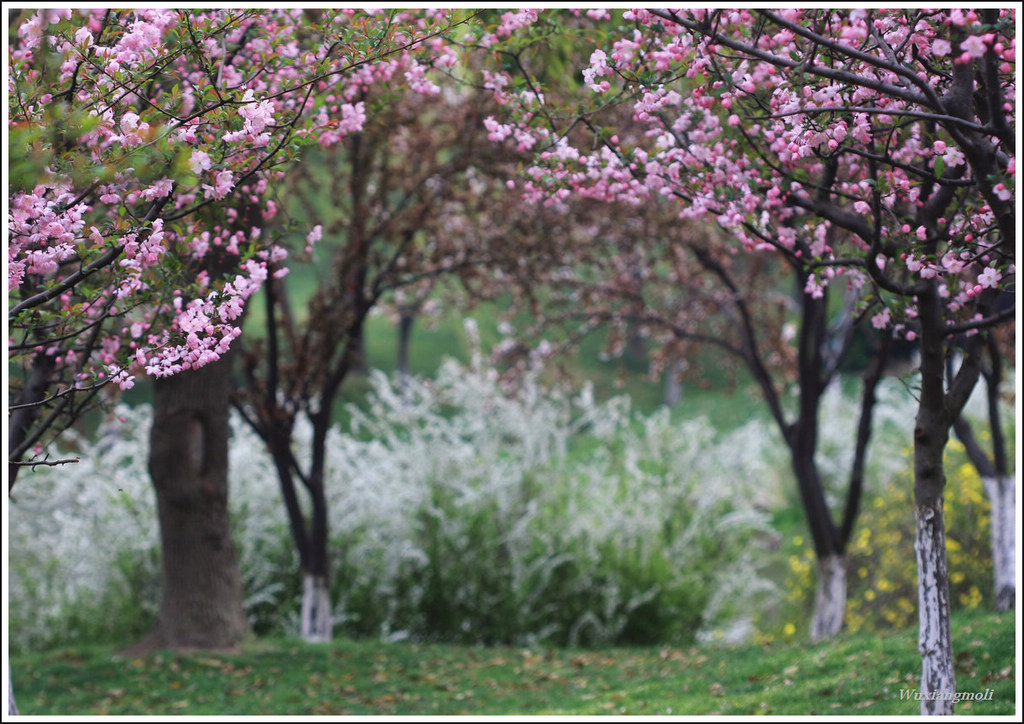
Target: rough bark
{"x":201,"y":597}
{"x":830,"y":597}
{"x":1002,"y":493}
{"x":316,"y":609}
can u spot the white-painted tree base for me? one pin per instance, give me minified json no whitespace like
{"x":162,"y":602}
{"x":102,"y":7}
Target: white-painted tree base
{"x":1002,"y":494}
{"x":316,"y":609}
{"x":830,"y":598}
{"x":938,"y":677}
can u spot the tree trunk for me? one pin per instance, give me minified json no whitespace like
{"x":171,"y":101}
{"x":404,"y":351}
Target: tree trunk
{"x":406,"y":318}
{"x":931,"y":433}
{"x":673,"y":387}
{"x":830,"y":597}
{"x":201,"y":599}
{"x":1002,"y":493}
{"x":21,"y":420}
{"x":316,"y":609}
{"x":1000,"y":486}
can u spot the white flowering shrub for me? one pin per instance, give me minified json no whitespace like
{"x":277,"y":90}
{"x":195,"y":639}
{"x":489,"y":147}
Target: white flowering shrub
{"x":82,"y":541}
{"x":458,"y":511}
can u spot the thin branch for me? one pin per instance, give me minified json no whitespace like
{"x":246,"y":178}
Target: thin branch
{"x":49,"y":463}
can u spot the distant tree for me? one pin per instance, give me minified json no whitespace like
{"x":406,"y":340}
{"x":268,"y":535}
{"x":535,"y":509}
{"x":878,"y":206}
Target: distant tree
{"x":391,"y":199}
{"x":998,"y":479}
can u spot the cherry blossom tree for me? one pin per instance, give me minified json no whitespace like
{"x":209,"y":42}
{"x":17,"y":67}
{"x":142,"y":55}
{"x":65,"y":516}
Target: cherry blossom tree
{"x":883,"y":140}
{"x":681,"y":285}
{"x":392,"y":201}
{"x":137,"y":210}
{"x":132,"y":124}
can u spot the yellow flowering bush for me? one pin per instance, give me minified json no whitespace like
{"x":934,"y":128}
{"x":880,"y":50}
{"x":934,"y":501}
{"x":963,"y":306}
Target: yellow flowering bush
{"x":881,"y":563}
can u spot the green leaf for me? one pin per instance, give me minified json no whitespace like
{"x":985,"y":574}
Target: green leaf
{"x":940,"y":166}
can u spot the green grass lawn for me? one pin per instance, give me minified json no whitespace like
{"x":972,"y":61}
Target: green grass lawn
{"x":858,"y":674}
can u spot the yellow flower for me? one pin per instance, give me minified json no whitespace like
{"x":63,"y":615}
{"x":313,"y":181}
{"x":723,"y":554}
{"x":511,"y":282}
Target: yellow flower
{"x":789,"y":629}
{"x":869,"y":595}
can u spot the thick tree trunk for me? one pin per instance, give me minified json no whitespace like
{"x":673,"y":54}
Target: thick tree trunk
{"x":1002,"y":493}
{"x":201,"y":598}
{"x":316,"y":609}
{"x":931,"y":433}
{"x":830,"y":597}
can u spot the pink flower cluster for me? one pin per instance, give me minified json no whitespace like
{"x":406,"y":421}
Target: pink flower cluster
{"x":224,"y":90}
{"x":739,"y":137}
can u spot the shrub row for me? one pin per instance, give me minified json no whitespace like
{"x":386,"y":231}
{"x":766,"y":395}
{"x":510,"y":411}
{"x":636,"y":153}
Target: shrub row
{"x":464,"y":512}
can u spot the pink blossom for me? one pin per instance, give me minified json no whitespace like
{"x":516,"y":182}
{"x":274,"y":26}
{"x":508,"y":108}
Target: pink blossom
{"x":989,"y":278}
{"x":158,"y":190}
{"x":941,"y":47}
{"x":83,"y":37}
{"x":952,"y":264}
{"x":257,"y":115}
{"x":353,"y":116}
{"x":813,"y":287}
{"x":121,"y":378}
{"x":224,"y":181}
{"x":881,"y":320}
{"x":497,"y":131}
{"x":953,"y":156}
{"x":598,"y":68}
{"x":418,"y":81}
{"x":974,"y":45}
{"x":199,"y":162}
